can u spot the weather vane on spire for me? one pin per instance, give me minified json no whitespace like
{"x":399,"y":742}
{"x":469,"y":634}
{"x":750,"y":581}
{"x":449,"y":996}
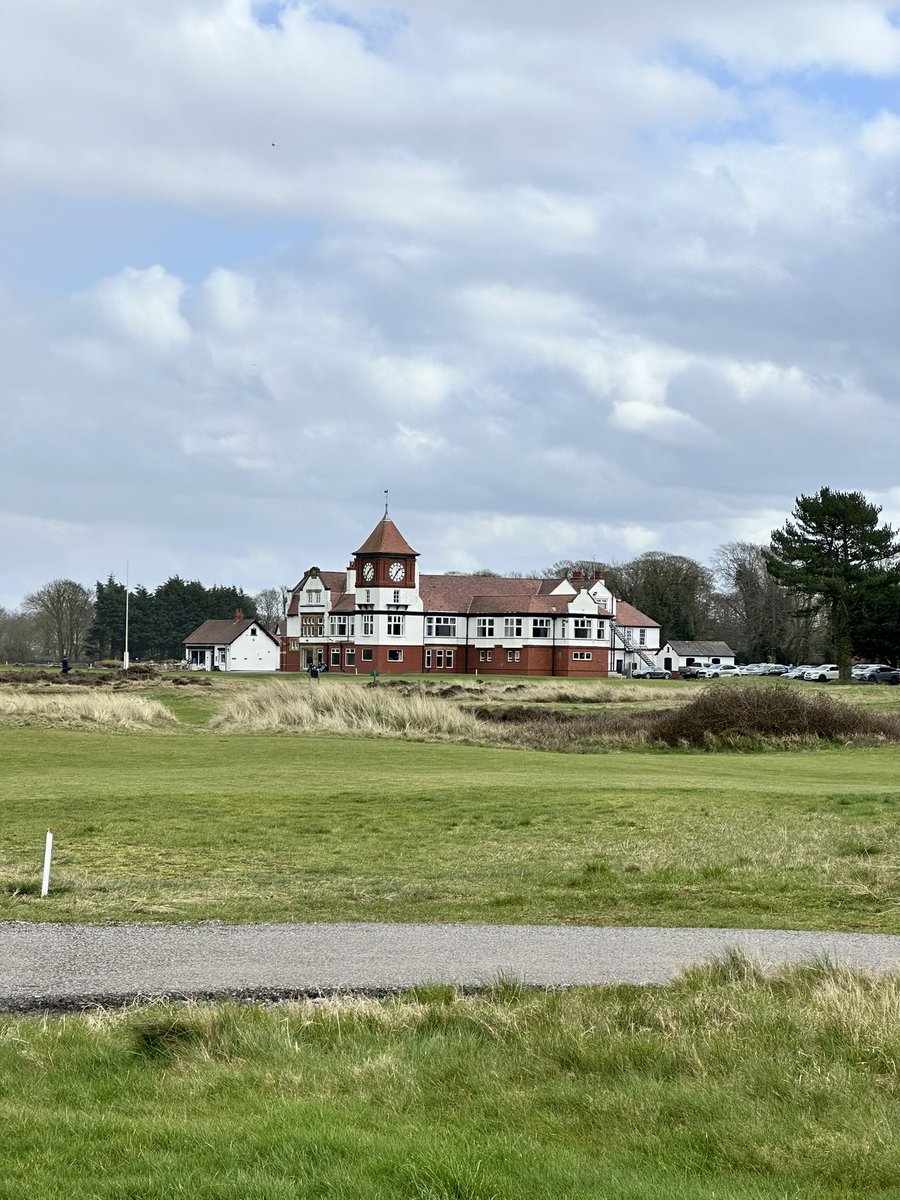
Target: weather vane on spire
{"x":385,"y":503}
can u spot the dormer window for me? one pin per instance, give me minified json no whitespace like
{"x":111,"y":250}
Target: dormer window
{"x":314,"y":596}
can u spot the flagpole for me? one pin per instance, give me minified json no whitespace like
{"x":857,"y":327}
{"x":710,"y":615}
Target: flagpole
{"x":125,"y":655}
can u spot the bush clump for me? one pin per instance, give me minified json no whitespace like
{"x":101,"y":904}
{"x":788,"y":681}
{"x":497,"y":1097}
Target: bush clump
{"x":735,"y":717}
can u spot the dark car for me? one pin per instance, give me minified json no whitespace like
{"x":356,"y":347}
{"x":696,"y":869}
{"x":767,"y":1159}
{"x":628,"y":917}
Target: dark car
{"x":692,"y":670}
{"x":881,"y":675}
{"x":651,"y":673}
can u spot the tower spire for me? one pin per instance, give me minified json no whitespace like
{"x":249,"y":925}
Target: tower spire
{"x":385,"y":502}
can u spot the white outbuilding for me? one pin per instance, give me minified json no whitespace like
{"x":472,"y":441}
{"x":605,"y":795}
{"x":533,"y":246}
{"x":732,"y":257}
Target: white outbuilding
{"x":240,"y":644}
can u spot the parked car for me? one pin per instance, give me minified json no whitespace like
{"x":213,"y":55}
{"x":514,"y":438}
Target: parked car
{"x":798,"y":672}
{"x":721,"y":670}
{"x":651,"y":673}
{"x":754,"y":669}
{"x":860,"y":670}
{"x":692,"y":670}
{"x":823,"y":673}
{"x":880,"y":674}
{"x":775,"y":669}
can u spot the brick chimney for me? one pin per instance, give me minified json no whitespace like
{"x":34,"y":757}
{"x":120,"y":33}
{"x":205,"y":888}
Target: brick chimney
{"x":238,"y":615}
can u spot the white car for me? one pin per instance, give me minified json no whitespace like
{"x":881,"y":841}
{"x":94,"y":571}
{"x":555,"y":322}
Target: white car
{"x":720,"y":671}
{"x":823,"y":673}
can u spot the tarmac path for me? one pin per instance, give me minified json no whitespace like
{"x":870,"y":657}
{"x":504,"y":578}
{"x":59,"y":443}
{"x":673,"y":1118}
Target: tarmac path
{"x":64,"y":967}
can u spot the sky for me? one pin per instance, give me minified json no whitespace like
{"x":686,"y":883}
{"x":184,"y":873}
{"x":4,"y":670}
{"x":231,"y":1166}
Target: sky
{"x":577,"y":280}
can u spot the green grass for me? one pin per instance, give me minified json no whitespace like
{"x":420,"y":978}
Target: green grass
{"x":187,"y":824}
{"x":724,"y":1086}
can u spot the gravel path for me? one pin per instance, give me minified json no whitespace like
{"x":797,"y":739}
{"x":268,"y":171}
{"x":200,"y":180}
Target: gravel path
{"x":71,"y":966}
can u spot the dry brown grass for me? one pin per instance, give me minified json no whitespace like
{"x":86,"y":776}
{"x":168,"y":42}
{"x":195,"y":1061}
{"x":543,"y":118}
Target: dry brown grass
{"x":327,"y":707}
{"x":82,"y":709}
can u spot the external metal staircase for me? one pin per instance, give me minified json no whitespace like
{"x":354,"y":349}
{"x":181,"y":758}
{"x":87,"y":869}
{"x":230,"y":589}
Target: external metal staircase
{"x":629,"y":645}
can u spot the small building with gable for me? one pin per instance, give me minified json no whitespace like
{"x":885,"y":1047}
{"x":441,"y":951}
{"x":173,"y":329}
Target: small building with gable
{"x":240,"y":644}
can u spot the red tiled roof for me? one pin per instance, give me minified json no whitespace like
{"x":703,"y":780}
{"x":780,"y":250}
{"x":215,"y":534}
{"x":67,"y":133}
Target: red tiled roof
{"x":385,"y":538}
{"x":627,"y":614}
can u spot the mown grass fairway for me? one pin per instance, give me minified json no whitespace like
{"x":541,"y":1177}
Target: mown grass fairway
{"x":725,"y":1086}
{"x":186,"y":824}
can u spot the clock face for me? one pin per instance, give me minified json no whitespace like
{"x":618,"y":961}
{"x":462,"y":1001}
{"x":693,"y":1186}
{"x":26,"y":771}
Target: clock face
{"x":368,"y":572}
{"x":397,"y":571}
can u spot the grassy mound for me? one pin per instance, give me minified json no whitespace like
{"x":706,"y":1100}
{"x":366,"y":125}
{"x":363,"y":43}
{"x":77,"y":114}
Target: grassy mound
{"x":331,"y":708}
{"x":82,"y":709}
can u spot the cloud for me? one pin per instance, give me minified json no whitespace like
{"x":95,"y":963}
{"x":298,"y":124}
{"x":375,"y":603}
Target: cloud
{"x":568,"y":287}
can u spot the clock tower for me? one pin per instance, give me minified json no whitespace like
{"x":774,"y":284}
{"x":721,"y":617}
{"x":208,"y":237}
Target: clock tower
{"x":386,"y":559}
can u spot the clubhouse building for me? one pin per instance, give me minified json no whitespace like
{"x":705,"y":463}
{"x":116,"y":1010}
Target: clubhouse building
{"x":382,"y":614}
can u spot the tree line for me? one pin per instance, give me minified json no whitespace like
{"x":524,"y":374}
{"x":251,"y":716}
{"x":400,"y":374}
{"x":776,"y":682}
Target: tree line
{"x":826,"y":586}
{"x":65,"y":619}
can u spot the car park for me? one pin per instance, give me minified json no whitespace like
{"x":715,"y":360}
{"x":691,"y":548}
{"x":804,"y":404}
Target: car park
{"x":720,"y":671}
{"x":651,"y":673}
{"x":824,"y":673}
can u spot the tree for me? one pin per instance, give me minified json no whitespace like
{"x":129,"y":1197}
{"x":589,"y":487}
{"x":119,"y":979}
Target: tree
{"x":674,"y":590}
{"x":64,"y":612}
{"x":18,"y":637}
{"x":270,"y":607}
{"x":757,"y":615}
{"x":834,"y":553}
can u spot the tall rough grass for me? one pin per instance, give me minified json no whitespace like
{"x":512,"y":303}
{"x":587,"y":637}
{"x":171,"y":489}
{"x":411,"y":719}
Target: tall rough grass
{"x":82,"y":709}
{"x":331,"y":708}
{"x":729,"y":1083}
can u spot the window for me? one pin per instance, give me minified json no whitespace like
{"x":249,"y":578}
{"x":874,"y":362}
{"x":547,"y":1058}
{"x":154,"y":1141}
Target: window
{"x":222,"y":656}
{"x":312,"y":626}
{"x":439,"y":658}
{"x":583,"y":627}
{"x":350,"y":656}
{"x":564,"y":628}
{"x":367,"y":655}
{"x":396,"y":597}
{"x":395,"y":656}
{"x":368,"y":624}
{"x":601,"y":629}
{"x":512,"y":627}
{"x":293,"y":643}
{"x":513,"y":655}
{"x":368,"y":596}
{"x":335,"y":656}
{"x":540,"y":627}
{"x":485,"y":627}
{"x":314,"y":596}
{"x":440,"y":626}
{"x":642,"y":637}
{"x":396,"y":624}
{"x":253,"y":631}
{"x":341,"y":625}
{"x":485,"y":655}
{"x":427,"y":660}
{"x":449,"y":659}
{"x":582,"y":655}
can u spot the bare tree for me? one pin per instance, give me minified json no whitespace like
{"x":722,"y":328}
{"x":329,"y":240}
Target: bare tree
{"x":271,"y":604}
{"x":765,"y":618}
{"x":63,"y":612}
{"x":18,"y":637}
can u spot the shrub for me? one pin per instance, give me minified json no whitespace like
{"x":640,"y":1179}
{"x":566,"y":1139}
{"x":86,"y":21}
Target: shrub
{"x":725,"y":717}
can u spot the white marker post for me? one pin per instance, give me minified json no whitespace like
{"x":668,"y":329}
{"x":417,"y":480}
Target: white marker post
{"x":48,"y":855}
